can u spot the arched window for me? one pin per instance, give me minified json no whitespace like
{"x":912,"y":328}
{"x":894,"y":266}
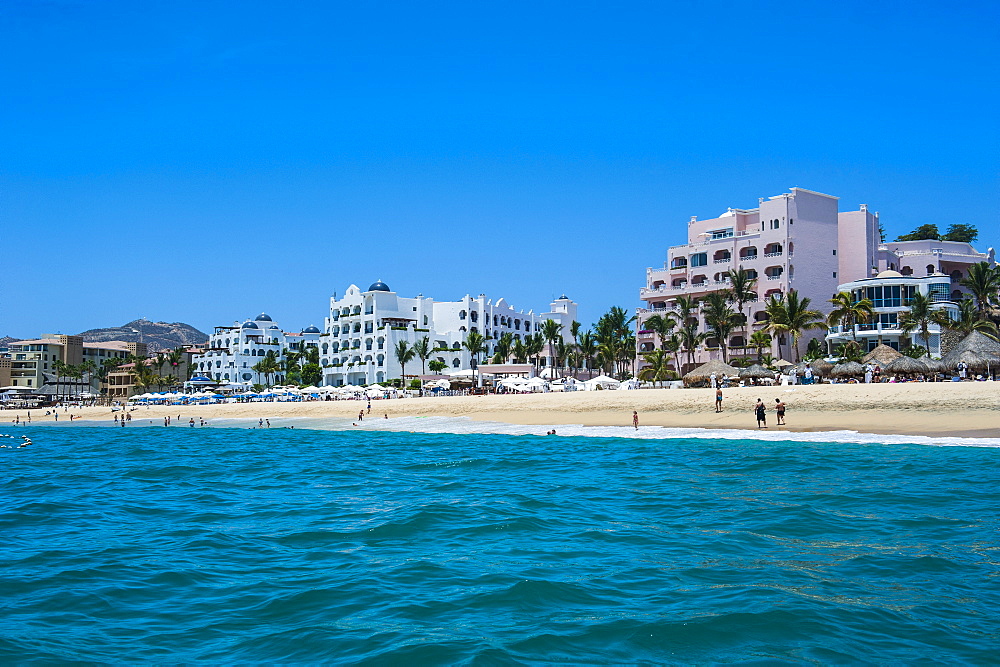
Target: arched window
{"x":380,"y":360}
{"x":457,"y":363}
{"x":326,"y":348}
{"x":906,"y":271}
{"x":456,"y":345}
{"x":368,"y":343}
{"x":517,"y":324}
{"x":381,"y":343}
{"x":956,"y":275}
{"x":461,"y":314}
{"x":462,"y":329}
{"x":737,"y":341}
{"x":474,"y":316}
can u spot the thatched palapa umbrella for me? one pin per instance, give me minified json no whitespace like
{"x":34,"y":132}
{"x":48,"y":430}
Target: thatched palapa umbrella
{"x":704,"y":372}
{"x":821,"y":367}
{"x":934,"y":365}
{"x":882,"y":355}
{"x":756,"y":372}
{"x":905,"y":366}
{"x":977,"y":350}
{"x":848,"y":369}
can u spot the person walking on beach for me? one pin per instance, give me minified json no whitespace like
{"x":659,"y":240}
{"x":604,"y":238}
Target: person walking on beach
{"x":779,"y":408}
{"x":718,"y":400}
{"x":635,"y":419}
{"x":761,"y":414}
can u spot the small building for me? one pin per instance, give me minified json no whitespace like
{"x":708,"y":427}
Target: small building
{"x":891,"y":293}
{"x":32,"y":359}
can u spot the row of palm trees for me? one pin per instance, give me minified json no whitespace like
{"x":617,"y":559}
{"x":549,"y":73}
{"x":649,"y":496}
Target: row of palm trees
{"x":610,"y":346}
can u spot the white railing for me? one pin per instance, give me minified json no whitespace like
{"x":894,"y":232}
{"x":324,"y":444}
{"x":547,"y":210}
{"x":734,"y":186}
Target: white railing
{"x":773,"y":254}
{"x":724,"y":260}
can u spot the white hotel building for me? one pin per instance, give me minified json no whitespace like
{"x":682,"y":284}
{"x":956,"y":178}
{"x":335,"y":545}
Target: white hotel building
{"x":233,"y":351}
{"x":361,"y":332}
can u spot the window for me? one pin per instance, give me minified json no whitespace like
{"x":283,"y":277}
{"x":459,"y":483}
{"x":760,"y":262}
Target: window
{"x":834,"y":274}
{"x":721,"y":233}
{"x":834,"y":252}
{"x":699,"y":259}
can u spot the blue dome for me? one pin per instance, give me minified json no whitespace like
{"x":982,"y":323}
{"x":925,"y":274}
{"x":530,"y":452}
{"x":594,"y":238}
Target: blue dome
{"x":273,"y":326}
{"x":263,"y":317}
{"x":249,"y":325}
{"x":312,"y":329}
{"x":378,"y":286}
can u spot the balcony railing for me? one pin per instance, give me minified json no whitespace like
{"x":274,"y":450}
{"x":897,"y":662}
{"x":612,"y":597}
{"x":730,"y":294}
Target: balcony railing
{"x":773,"y":254}
{"x":724,"y":260}
{"x":777,"y":277}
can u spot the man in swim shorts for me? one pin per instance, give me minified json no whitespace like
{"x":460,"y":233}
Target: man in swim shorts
{"x":780,"y":409}
{"x":718,"y":400}
{"x":761,"y":414}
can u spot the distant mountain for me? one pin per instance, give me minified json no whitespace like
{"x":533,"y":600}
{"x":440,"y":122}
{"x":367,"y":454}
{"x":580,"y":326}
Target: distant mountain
{"x":7,"y":340}
{"x":158,"y":336}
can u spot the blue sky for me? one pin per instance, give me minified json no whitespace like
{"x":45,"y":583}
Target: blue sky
{"x":201,"y":162}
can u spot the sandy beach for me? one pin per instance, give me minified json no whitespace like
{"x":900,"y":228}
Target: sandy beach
{"x":970,"y":409}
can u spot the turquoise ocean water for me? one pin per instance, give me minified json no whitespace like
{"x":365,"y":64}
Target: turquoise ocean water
{"x":224,"y":544}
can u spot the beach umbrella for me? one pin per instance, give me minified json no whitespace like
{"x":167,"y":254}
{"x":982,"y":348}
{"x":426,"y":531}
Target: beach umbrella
{"x":881,"y":355}
{"x":756,"y":372}
{"x":977,"y":350}
{"x":905,"y":366}
{"x":848,"y":369}
{"x":781,"y":363}
{"x":975,"y":361}
{"x":934,"y":365}
{"x":704,"y":372}
{"x":821,"y":367}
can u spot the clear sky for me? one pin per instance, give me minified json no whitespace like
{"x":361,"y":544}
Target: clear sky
{"x":202,"y":162}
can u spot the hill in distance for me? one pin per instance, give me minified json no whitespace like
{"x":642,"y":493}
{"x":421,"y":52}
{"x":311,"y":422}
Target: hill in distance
{"x":158,"y":336}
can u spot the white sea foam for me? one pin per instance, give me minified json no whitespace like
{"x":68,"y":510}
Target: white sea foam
{"x":464,"y":425}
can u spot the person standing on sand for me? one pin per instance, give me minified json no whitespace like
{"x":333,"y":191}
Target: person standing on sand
{"x":761,"y":414}
{"x":779,"y":408}
{"x":635,"y":419}
{"x":718,"y":400}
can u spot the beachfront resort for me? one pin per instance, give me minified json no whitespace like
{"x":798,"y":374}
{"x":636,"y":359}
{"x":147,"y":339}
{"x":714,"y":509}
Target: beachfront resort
{"x":793,"y":289}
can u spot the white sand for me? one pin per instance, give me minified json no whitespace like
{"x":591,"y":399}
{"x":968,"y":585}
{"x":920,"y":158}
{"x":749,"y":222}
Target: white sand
{"x":969,"y":409}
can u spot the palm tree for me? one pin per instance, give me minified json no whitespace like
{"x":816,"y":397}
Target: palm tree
{"x":436,"y":365}
{"x":661,"y":325}
{"x":673,"y":346}
{"x":475,"y":343}
{"x":759,"y":340}
{"x":552,"y":330}
{"x":968,"y":320}
{"x":501,"y":352}
{"x":742,"y":290}
{"x":519,"y":351}
{"x":792,"y":315}
{"x":561,"y":353}
{"x":849,"y":312}
{"x":720,"y":318}
{"x":404,"y":354}
{"x":159,"y":361}
{"x":691,"y":338}
{"x":59,"y":366}
{"x":422,"y":348}
{"x":87,"y":368}
{"x":657,"y":370}
{"x":921,"y":315}
{"x":616,"y":340}
{"x":587,"y":345}
{"x":175,"y":359}
{"x":984,"y":282}
{"x":533,"y":346}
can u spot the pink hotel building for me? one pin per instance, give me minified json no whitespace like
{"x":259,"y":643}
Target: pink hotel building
{"x":799,"y":240}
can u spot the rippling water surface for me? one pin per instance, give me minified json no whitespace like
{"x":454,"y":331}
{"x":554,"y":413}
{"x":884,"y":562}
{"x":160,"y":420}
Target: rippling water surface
{"x":227,"y":544}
